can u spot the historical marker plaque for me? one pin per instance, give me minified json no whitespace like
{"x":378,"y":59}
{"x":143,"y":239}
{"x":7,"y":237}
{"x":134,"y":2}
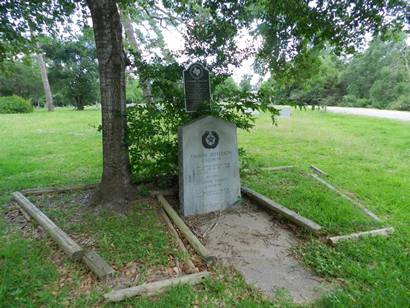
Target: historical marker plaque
{"x":197,"y":88}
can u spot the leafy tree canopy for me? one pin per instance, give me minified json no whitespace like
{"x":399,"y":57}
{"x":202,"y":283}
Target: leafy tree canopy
{"x":22,"y":78}
{"x":377,"y":77}
{"x":283,"y":30}
{"x":73,"y":70}
{"x":20,"y":19}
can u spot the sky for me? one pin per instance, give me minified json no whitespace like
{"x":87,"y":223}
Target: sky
{"x":175,"y":42}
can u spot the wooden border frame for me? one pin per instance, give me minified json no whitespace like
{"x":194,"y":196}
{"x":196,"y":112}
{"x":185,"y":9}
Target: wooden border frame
{"x":273,"y":169}
{"x":94,"y":262}
{"x":358,"y":235}
{"x":307,"y":223}
{"x":317,"y":170}
{"x":282,"y":210}
{"x":185,"y":230}
{"x":154,"y":288}
{"x":343,"y":195}
{"x":180,"y":243}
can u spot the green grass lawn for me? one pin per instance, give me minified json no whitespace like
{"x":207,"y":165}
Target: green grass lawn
{"x":43,"y":149}
{"x":365,"y":156}
{"x":296,"y":190}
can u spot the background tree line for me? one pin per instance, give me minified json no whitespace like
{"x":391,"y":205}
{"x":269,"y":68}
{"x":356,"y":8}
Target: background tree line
{"x":72,"y":71}
{"x":378,"y":77}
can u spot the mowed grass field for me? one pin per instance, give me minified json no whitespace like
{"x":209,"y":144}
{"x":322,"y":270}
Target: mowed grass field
{"x":367,"y":157}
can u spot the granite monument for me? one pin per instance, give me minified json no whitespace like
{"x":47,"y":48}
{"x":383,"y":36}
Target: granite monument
{"x":208,"y":166}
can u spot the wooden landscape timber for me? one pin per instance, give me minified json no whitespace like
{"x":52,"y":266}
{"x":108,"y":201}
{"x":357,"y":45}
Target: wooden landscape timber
{"x":317,"y":170}
{"x":342,"y":194}
{"x":96,"y":264}
{"x":69,"y":246}
{"x":273,"y":169}
{"x":191,"y":238}
{"x":45,"y":190}
{"x":154,"y":288}
{"x":191,"y":266}
{"x":26,"y":216}
{"x":354,"y":236}
{"x":277,"y":168}
{"x":164,"y":192}
{"x":280,"y":209}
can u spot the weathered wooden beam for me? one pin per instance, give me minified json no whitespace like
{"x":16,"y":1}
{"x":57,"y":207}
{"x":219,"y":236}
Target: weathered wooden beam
{"x":45,"y":190}
{"x":164,"y":192}
{"x":69,"y":246}
{"x":191,"y":266}
{"x":342,"y":194}
{"x":277,"y":168}
{"x":317,"y":170}
{"x":285,"y":212}
{"x":97,"y":265}
{"x":26,"y":216}
{"x":154,"y":288}
{"x":191,"y":238}
{"x":354,"y":236}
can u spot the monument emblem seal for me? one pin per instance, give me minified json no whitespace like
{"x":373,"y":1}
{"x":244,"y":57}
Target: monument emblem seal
{"x":196,"y":71}
{"x":210,"y":139}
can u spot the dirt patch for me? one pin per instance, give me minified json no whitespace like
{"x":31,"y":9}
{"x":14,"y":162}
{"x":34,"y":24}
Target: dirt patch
{"x":258,"y":247}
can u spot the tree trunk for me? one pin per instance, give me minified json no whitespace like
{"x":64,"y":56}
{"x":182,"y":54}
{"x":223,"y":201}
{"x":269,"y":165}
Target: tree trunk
{"x":46,"y":84}
{"x":79,"y":103}
{"x":115,"y":190}
{"x":129,"y":32}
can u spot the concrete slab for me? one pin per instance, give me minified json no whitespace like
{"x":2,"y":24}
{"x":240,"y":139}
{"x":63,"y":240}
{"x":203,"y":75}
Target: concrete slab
{"x":387,"y":114}
{"x":247,"y":238}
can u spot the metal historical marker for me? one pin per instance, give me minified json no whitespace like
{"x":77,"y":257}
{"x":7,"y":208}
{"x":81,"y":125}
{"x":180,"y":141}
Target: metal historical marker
{"x":197,"y":88}
{"x":209,"y":177}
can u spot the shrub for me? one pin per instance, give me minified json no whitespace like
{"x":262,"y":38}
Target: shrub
{"x":15,"y":104}
{"x":134,"y":92}
{"x":353,"y":101}
{"x":401,"y":103}
{"x":153,"y":126}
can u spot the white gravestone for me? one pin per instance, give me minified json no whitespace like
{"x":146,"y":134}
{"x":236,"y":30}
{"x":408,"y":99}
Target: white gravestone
{"x":208,"y":166}
{"x":285,"y":112}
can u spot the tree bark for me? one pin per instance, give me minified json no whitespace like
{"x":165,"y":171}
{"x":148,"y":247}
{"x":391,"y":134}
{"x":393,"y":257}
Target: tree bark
{"x":129,"y":32}
{"x":46,"y":84}
{"x":115,"y":190}
{"x":79,"y":103}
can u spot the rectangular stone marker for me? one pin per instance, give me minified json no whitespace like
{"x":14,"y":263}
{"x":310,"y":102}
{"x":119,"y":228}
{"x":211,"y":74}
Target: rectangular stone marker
{"x":208,"y":166}
{"x":197,"y":88}
{"x":285,"y":112}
